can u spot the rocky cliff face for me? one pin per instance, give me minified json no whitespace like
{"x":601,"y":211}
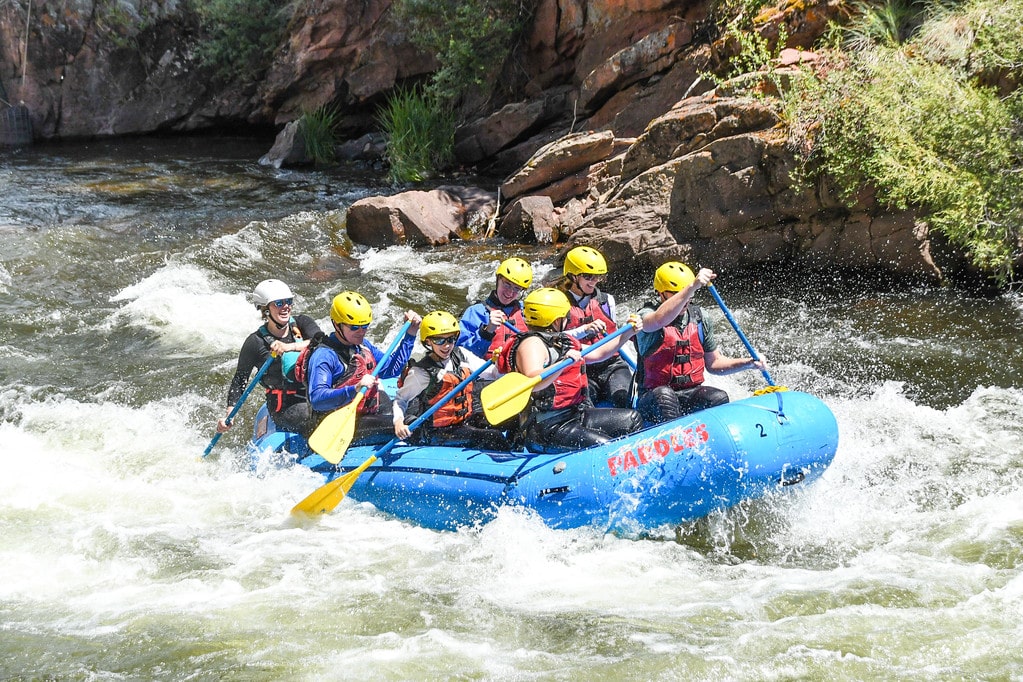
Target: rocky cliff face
{"x":606,"y":117}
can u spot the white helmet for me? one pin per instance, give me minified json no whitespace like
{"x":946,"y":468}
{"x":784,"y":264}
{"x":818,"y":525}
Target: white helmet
{"x":270,"y":290}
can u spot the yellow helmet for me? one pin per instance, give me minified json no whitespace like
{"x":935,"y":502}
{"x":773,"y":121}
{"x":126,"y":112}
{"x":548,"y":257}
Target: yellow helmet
{"x":543,"y":306}
{"x":516,"y":271}
{"x":583,"y":260}
{"x":436,"y":323}
{"x":351,"y":308}
{"x":673,"y":277}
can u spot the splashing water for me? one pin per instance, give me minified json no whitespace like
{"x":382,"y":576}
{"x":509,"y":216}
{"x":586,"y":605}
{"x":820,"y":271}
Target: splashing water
{"x":125,"y":272}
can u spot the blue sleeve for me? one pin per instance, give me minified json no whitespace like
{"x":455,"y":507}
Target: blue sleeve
{"x":398,"y":360}
{"x":474,"y":319}
{"x":325,"y":367}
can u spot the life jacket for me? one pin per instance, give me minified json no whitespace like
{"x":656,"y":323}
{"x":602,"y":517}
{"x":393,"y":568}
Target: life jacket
{"x":358,"y":363}
{"x":596,"y":308}
{"x":569,"y":389}
{"x":503,"y":335}
{"x":442,"y":382}
{"x":286,"y":390}
{"x":296,"y":368}
{"x":679,"y":361}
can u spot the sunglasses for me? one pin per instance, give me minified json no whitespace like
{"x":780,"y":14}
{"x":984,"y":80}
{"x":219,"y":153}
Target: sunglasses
{"x":591,"y":278}
{"x":281,"y":302}
{"x":443,"y":340}
{"x":357,"y":327}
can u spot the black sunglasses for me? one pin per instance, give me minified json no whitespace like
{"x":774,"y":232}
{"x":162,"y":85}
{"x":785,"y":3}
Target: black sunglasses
{"x":443,"y":340}
{"x":281,"y":302}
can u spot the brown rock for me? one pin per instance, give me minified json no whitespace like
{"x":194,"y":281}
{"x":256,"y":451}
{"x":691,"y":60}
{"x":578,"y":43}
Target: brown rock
{"x":650,"y":54}
{"x":288,"y":148}
{"x":417,"y":218}
{"x":559,"y":159}
{"x":530,"y":220}
{"x":487,"y":136}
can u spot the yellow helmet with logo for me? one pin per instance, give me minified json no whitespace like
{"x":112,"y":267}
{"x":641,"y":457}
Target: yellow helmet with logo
{"x":351,"y":308}
{"x":673,"y":277}
{"x":543,"y":306}
{"x":584,"y":260}
{"x":516,"y":271}
{"x":436,"y":323}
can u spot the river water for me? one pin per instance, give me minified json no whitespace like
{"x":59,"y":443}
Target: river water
{"x":124,"y":555}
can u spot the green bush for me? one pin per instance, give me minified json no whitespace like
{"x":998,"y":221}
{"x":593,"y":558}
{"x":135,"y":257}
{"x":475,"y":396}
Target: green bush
{"x":924,"y":138}
{"x":420,"y":132}
{"x":239,"y":36}
{"x":886,"y":24}
{"x":319,"y":130}
{"x":998,"y":27}
{"x":470,"y":38}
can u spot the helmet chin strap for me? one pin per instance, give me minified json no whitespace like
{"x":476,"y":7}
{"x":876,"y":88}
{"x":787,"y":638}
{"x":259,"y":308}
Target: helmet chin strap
{"x":270,"y":319}
{"x":341,"y":333}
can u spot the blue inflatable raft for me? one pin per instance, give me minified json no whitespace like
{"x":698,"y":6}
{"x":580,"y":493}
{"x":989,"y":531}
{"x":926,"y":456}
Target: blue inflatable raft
{"x":663,"y":475}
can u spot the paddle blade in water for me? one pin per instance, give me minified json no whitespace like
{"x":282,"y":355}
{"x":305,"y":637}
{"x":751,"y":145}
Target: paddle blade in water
{"x":507,"y":396}
{"x":326,"y":497}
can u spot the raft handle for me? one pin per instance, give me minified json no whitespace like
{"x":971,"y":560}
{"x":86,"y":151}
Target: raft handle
{"x":798,"y":477}
{"x":551,"y":491}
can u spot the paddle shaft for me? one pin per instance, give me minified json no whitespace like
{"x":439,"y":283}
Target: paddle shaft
{"x":328,"y":496}
{"x":241,"y":401}
{"x":421,"y":419}
{"x":735,"y":326}
{"x":332,"y":437}
{"x":625,"y":357}
{"x":562,"y":364}
{"x":380,"y":365}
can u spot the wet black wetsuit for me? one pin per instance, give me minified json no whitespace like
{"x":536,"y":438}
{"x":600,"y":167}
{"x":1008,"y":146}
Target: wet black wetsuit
{"x":285,"y":400}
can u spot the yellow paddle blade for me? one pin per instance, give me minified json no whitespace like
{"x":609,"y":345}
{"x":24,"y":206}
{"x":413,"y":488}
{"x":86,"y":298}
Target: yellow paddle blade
{"x":334,"y":434}
{"x":507,"y":396}
{"x":770,"y":389}
{"x":326,"y":497}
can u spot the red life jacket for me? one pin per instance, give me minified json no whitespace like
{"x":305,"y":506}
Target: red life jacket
{"x":678,"y":362}
{"x":299,"y":373}
{"x":359,"y":362}
{"x":569,"y":388}
{"x":458,"y":408}
{"x":596,"y":309}
{"x":503,"y":335}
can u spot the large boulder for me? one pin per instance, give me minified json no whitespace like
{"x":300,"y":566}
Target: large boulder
{"x":558,"y":160}
{"x":530,"y":219}
{"x":509,"y":125}
{"x":649,"y":55}
{"x":288,"y":148}
{"x":712,"y":183}
{"x":419,"y":218}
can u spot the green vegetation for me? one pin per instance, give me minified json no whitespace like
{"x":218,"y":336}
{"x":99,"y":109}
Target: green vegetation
{"x":471,"y":39}
{"x":319,"y":130}
{"x":910,"y":113}
{"x":420,"y":133}
{"x":733,"y":21}
{"x":120,"y":24}
{"x":886,"y":24}
{"x":239,"y":36}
